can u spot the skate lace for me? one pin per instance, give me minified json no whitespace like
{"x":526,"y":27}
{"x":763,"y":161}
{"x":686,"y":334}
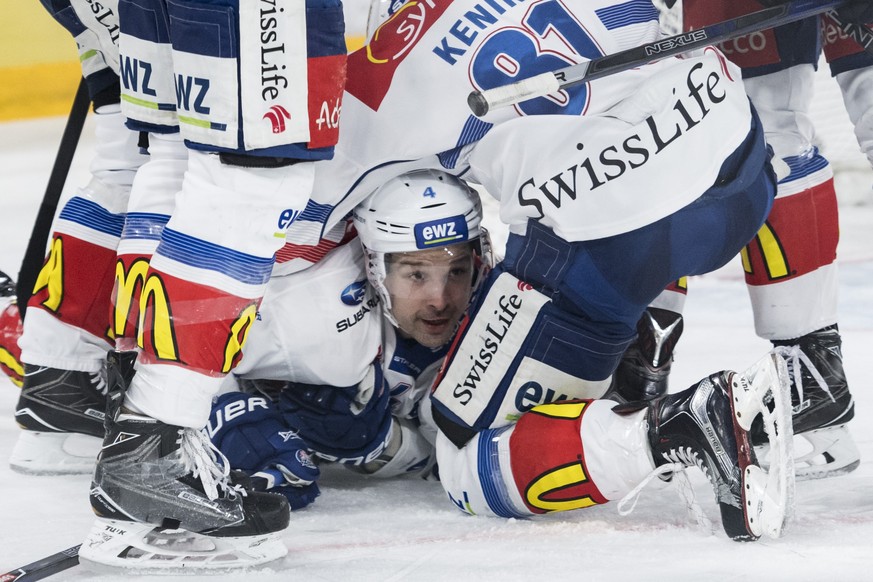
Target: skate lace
{"x":683,"y":488}
{"x":794,"y":357}
{"x":98,"y":383}
{"x":207,"y":463}
{"x":686,"y":457}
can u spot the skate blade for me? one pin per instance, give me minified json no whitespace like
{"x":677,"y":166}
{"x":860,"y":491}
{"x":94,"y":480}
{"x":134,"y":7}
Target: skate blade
{"x":820,"y":454}
{"x":54,"y":453}
{"x":768,"y":494}
{"x":141,"y":548}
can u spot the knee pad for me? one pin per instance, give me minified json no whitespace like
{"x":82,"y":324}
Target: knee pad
{"x":513,"y":334}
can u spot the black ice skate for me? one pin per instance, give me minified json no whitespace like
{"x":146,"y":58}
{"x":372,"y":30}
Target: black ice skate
{"x":821,"y":404}
{"x":61,"y":413}
{"x":644,"y":369}
{"x":165,"y":503}
{"x":707,"y":426}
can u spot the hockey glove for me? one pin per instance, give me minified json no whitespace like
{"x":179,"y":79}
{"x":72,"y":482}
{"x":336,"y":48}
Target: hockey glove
{"x":347,"y":424}
{"x":250,"y":432}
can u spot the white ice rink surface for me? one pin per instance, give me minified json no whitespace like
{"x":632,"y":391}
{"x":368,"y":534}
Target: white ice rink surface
{"x":363,"y":530}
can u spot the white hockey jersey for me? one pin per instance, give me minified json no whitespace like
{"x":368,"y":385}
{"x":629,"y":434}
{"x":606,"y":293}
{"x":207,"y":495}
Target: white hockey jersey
{"x":405,"y":107}
{"x":325,"y":326}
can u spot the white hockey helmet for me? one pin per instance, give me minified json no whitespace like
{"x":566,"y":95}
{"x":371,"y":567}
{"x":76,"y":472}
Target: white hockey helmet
{"x":419,"y":210}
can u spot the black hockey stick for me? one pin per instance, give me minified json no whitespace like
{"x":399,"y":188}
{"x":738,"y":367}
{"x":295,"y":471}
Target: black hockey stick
{"x":35,"y":253}
{"x":44,"y":567}
{"x":481,"y":102}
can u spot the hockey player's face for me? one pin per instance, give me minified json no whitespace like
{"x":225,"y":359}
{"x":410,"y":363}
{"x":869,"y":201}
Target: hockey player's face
{"x":430,"y":291}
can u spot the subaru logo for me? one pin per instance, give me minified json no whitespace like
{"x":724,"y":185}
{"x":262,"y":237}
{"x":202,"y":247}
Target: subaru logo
{"x":354,"y":293}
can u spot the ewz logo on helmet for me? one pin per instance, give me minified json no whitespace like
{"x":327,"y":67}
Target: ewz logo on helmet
{"x":441,"y":232}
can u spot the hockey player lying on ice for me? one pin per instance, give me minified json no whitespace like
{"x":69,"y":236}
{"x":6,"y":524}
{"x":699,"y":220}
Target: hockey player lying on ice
{"x":421,"y":247}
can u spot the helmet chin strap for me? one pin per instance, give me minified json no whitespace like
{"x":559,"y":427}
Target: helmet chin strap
{"x":376,"y":274}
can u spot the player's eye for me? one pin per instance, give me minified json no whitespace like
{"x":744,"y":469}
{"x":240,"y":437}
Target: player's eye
{"x":461,"y":272}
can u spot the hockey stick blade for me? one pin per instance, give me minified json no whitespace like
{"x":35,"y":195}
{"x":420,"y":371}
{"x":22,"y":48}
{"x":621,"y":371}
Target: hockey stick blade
{"x":481,"y":102}
{"x":45,"y":567}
